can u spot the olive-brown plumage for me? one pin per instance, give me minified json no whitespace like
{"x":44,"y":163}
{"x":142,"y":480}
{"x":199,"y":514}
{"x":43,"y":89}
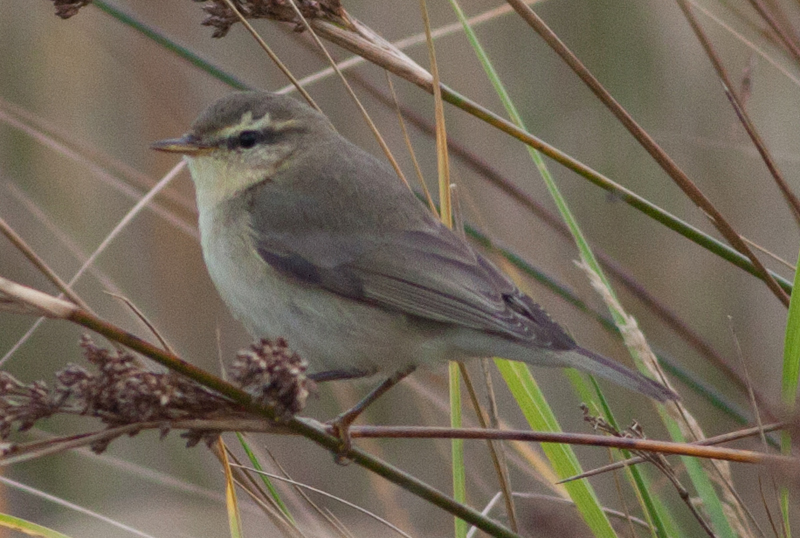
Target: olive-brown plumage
{"x":310,"y":238}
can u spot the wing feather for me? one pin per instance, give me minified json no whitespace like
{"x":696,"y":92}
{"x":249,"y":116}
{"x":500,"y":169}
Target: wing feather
{"x":430,"y":274}
{"x":383,"y":247}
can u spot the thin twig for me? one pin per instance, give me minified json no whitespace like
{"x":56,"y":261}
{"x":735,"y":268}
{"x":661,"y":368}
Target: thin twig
{"x":649,"y":445}
{"x":319,"y":432}
{"x":310,"y":429}
{"x":326,"y":494}
{"x":40,"y":264}
{"x":649,"y":144}
{"x":374,"y":128}
{"x":253,"y":489}
{"x":783,"y":36}
{"x":143,"y":202}
{"x":139,"y":314}
{"x":741,"y":113}
{"x":759,"y":424}
{"x":771,"y":254}
{"x":417,"y":169}
{"x":495,"y":451}
{"x":274,"y":57}
{"x":656,"y":459}
{"x":719,"y":439}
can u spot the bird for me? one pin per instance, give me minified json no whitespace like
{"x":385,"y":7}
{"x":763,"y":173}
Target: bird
{"x":309,"y":237}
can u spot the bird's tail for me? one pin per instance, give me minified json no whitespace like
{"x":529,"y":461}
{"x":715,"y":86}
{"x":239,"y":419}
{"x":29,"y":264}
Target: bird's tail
{"x":592,"y":363}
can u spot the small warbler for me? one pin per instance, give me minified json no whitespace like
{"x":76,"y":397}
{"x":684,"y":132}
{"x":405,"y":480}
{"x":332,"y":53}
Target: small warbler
{"x":308,"y":237}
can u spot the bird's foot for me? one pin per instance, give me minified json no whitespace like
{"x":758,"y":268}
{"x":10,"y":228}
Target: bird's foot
{"x":341,"y":429}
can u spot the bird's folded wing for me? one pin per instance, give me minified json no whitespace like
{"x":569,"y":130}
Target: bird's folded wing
{"x":430,"y":274}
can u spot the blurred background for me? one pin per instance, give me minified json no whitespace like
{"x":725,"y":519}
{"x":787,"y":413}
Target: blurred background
{"x":82,"y":99}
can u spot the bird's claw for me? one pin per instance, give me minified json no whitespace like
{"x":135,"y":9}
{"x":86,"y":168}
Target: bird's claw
{"x":341,"y":429}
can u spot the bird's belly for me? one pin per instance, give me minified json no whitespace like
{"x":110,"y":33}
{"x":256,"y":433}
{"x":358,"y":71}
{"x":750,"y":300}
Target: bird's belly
{"x":331,"y":332}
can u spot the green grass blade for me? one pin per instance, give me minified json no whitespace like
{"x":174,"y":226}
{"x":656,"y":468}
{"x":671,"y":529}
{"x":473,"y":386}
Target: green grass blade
{"x":540,"y":417}
{"x":791,"y":351}
{"x":789,"y":381}
{"x":457,"y":448}
{"x":580,"y":241}
{"x":276,"y":496}
{"x":26,"y":527}
{"x":164,"y":41}
{"x":712,"y":505}
{"x":700,"y":480}
{"x":658,"y":516}
{"x":634,"y":473}
{"x":651,"y":210}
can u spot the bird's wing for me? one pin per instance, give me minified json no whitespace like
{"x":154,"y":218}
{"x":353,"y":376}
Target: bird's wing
{"x":429,"y":273}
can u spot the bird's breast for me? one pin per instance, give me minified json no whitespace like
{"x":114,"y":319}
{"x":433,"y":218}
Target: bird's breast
{"x":330,"y":331}
{"x":255,"y":294}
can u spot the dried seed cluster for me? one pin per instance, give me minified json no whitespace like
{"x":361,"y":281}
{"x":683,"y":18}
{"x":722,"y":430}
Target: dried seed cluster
{"x":67,"y":8}
{"x":274,"y":375}
{"x":122,"y":392}
{"x":22,"y":405}
{"x":221,"y":17}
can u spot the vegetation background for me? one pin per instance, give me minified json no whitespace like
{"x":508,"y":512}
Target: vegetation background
{"x":95,"y":93}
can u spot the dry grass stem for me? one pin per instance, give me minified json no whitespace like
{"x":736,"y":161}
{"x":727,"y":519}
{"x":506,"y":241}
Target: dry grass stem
{"x":22,"y":299}
{"x":709,"y":441}
{"x":648,"y":143}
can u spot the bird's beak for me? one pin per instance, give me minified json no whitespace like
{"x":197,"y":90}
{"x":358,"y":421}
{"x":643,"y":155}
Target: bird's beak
{"x":185,"y":145}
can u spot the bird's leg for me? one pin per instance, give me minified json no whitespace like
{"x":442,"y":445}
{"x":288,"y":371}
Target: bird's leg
{"x":337,"y":375}
{"x":341,"y":424}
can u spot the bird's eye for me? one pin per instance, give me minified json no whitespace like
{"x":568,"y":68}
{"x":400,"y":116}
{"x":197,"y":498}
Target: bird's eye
{"x":248,"y":139}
